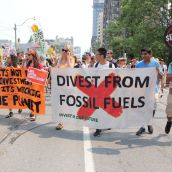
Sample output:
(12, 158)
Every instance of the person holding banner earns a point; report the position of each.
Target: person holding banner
(147, 62)
(169, 102)
(122, 62)
(66, 61)
(20, 55)
(13, 62)
(33, 61)
(102, 63)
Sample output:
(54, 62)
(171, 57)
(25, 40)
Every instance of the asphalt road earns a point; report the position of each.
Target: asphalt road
(37, 147)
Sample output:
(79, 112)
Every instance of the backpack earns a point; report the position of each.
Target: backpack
(77, 66)
(114, 62)
(110, 65)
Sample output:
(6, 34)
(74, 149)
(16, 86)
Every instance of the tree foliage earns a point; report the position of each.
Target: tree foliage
(142, 23)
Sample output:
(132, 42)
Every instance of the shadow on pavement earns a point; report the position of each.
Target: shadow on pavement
(143, 142)
(49, 131)
(104, 151)
(13, 122)
(127, 140)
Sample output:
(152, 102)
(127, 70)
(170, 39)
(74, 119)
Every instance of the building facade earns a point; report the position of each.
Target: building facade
(64, 41)
(111, 14)
(98, 7)
(77, 52)
(100, 29)
(61, 42)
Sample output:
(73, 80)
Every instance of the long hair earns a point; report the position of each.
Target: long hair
(69, 48)
(35, 61)
(14, 60)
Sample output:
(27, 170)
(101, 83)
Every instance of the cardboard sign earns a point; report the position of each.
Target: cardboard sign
(18, 93)
(37, 76)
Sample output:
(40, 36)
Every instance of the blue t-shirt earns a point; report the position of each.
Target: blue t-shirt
(153, 63)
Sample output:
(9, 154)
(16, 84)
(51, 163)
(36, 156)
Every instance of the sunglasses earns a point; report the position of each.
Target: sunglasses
(65, 50)
(29, 54)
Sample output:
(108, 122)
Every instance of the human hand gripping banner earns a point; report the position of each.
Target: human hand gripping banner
(103, 98)
(17, 93)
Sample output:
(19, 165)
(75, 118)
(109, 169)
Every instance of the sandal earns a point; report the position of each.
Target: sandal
(9, 115)
(32, 117)
(59, 126)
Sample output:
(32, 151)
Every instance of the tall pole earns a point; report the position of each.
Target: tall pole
(15, 30)
(124, 37)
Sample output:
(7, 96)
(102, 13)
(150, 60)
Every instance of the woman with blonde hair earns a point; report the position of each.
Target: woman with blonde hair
(66, 61)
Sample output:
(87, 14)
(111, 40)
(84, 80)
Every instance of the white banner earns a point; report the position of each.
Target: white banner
(103, 98)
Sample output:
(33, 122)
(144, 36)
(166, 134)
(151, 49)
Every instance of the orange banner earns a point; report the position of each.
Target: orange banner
(18, 93)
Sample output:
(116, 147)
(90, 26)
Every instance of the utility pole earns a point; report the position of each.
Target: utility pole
(124, 37)
(15, 30)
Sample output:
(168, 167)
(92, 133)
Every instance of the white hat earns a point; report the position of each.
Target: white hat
(122, 58)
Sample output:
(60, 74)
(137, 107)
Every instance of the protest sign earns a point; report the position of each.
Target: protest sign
(99, 98)
(17, 92)
(38, 37)
(37, 76)
(1, 53)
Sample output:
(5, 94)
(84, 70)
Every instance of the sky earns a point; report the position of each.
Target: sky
(64, 18)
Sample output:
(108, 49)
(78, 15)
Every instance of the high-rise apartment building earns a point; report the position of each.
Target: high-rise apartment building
(98, 7)
(110, 14)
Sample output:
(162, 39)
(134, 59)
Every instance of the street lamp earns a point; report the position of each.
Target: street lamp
(124, 37)
(15, 29)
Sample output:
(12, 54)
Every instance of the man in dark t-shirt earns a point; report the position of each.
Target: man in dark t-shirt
(110, 58)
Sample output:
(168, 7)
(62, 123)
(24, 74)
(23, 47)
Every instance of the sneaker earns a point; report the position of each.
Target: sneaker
(20, 111)
(9, 115)
(97, 133)
(168, 127)
(59, 126)
(32, 117)
(140, 131)
(150, 129)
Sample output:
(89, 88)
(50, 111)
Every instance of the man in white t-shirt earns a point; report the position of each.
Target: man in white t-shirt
(169, 102)
(102, 63)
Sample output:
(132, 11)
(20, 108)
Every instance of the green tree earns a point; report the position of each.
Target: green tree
(30, 39)
(142, 24)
